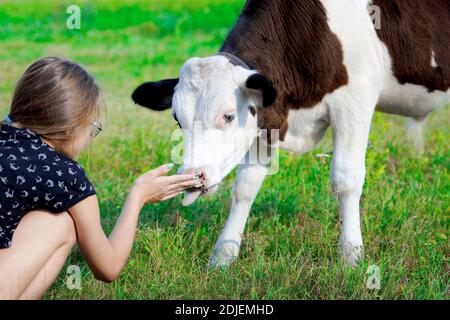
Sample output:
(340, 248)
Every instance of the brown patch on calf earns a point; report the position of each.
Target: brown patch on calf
(412, 29)
(290, 43)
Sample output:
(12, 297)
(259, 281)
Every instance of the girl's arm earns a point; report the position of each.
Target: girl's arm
(107, 256)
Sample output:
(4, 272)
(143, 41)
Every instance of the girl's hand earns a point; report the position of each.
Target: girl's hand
(154, 186)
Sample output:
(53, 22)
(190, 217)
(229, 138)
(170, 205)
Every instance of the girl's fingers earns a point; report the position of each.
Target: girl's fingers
(171, 192)
(184, 185)
(188, 184)
(179, 189)
(175, 179)
(171, 195)
(175, 190)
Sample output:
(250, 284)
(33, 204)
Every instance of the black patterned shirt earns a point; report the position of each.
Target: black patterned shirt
(35, 176)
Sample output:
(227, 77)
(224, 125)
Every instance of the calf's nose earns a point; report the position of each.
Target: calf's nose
(200, 173)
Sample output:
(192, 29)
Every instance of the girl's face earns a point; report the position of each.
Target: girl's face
(81, 140)
(74, 147)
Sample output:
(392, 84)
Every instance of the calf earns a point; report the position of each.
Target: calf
(298, 68)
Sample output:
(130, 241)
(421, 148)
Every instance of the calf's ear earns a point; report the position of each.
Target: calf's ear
(257, 81)
(155, 95)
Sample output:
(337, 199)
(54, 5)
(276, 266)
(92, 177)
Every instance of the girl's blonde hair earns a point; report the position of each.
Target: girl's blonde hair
(55, 98)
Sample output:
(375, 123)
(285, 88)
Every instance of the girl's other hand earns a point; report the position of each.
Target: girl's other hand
(154, 185)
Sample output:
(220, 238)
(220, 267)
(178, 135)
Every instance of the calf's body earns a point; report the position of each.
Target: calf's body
(303, 67)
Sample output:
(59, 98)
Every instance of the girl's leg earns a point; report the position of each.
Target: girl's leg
(39, 248)
(47, 276)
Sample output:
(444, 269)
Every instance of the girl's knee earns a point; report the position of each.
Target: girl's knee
(69, 228)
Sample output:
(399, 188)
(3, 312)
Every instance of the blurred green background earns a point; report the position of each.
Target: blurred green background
(290, 246)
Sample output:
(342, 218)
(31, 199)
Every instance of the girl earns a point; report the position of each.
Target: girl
(47, 203)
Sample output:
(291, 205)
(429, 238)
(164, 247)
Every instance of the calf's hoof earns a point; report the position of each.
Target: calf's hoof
(352, 253)
(224, 254)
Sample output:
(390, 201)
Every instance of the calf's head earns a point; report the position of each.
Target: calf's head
(215, 103)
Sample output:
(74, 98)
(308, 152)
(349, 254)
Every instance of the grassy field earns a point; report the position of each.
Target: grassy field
(290, 247)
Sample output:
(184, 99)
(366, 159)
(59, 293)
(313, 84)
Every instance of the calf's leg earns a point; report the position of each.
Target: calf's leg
(351, 126)
(248, 182)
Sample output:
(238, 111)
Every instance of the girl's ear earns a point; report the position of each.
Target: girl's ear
(155, 95)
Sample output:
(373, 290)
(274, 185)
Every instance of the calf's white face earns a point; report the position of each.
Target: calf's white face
(214, 102)
(212, 106)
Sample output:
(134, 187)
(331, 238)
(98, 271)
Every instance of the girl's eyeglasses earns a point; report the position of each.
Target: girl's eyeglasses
(96, 129)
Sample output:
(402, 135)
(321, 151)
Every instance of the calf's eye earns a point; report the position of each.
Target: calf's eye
(229, 117)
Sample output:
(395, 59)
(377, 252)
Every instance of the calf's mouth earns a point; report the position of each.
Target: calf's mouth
(193, 194)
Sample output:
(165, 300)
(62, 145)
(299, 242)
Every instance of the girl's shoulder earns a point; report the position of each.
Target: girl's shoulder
(47, 178)
(21, 145)
(22, 140)
(28, 146)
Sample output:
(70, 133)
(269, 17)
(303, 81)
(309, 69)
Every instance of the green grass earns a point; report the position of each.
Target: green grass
(290, 247)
